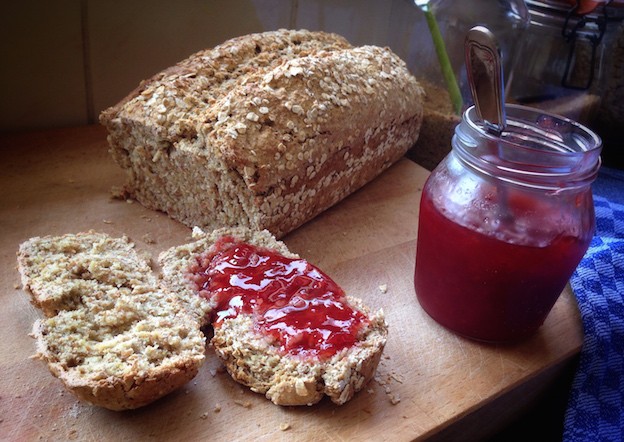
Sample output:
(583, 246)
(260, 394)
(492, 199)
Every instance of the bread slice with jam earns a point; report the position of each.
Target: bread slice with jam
(281, 326)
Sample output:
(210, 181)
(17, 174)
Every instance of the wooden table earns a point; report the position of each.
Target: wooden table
(430, 383)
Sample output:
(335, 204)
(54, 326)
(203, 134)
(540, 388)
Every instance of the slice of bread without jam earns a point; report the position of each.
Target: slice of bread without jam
(255, 359)
(111, 334)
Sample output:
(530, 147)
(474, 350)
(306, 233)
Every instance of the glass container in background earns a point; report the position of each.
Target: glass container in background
(504, 221)
(565, 54)
(507, 19)
(610, 117)
(573, 64)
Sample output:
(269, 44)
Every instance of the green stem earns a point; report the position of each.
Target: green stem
(445, 63)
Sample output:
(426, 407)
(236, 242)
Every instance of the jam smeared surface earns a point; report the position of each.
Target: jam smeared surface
(290, 300)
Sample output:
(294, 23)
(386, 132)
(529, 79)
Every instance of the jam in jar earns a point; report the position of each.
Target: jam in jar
(504, 221)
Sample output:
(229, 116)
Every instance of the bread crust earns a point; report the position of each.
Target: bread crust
(267, 138)
(253, 361)
(111, 334)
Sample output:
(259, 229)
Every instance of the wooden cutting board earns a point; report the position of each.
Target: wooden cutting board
(430, 383)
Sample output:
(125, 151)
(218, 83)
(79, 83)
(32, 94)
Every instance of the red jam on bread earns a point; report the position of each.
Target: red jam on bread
(297, 305)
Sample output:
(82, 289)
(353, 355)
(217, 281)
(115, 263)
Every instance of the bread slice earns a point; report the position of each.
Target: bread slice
(111, 335)
(254, 359)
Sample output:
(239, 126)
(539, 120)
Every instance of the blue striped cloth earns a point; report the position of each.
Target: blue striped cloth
(595, 409)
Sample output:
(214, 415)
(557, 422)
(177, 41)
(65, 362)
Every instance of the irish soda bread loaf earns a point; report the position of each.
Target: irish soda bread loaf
(111, 334)
(252, 355)
(264, 131)
(437, 129)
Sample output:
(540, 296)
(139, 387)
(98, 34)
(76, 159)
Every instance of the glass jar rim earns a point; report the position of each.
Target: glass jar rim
(537, 149)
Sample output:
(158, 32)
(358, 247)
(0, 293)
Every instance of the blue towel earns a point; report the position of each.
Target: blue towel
(595, 409)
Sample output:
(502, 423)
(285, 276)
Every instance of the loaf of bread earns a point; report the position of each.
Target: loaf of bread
(264, 131)
(111, 334)
(256, 358)
(437, 129)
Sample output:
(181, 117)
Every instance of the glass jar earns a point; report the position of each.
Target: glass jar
(507, 19)
(504, 221)
(566, 56)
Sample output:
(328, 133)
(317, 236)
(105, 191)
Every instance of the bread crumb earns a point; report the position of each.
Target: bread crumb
(204, 416)
(217, 408)
(119, 193)
(130, 201)
(147, 239)
(387, 380)
(383, 288)
(284, 426)
(74, 410)
(245, 404)
(396, 377)
(107, 221)
(16, 286)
